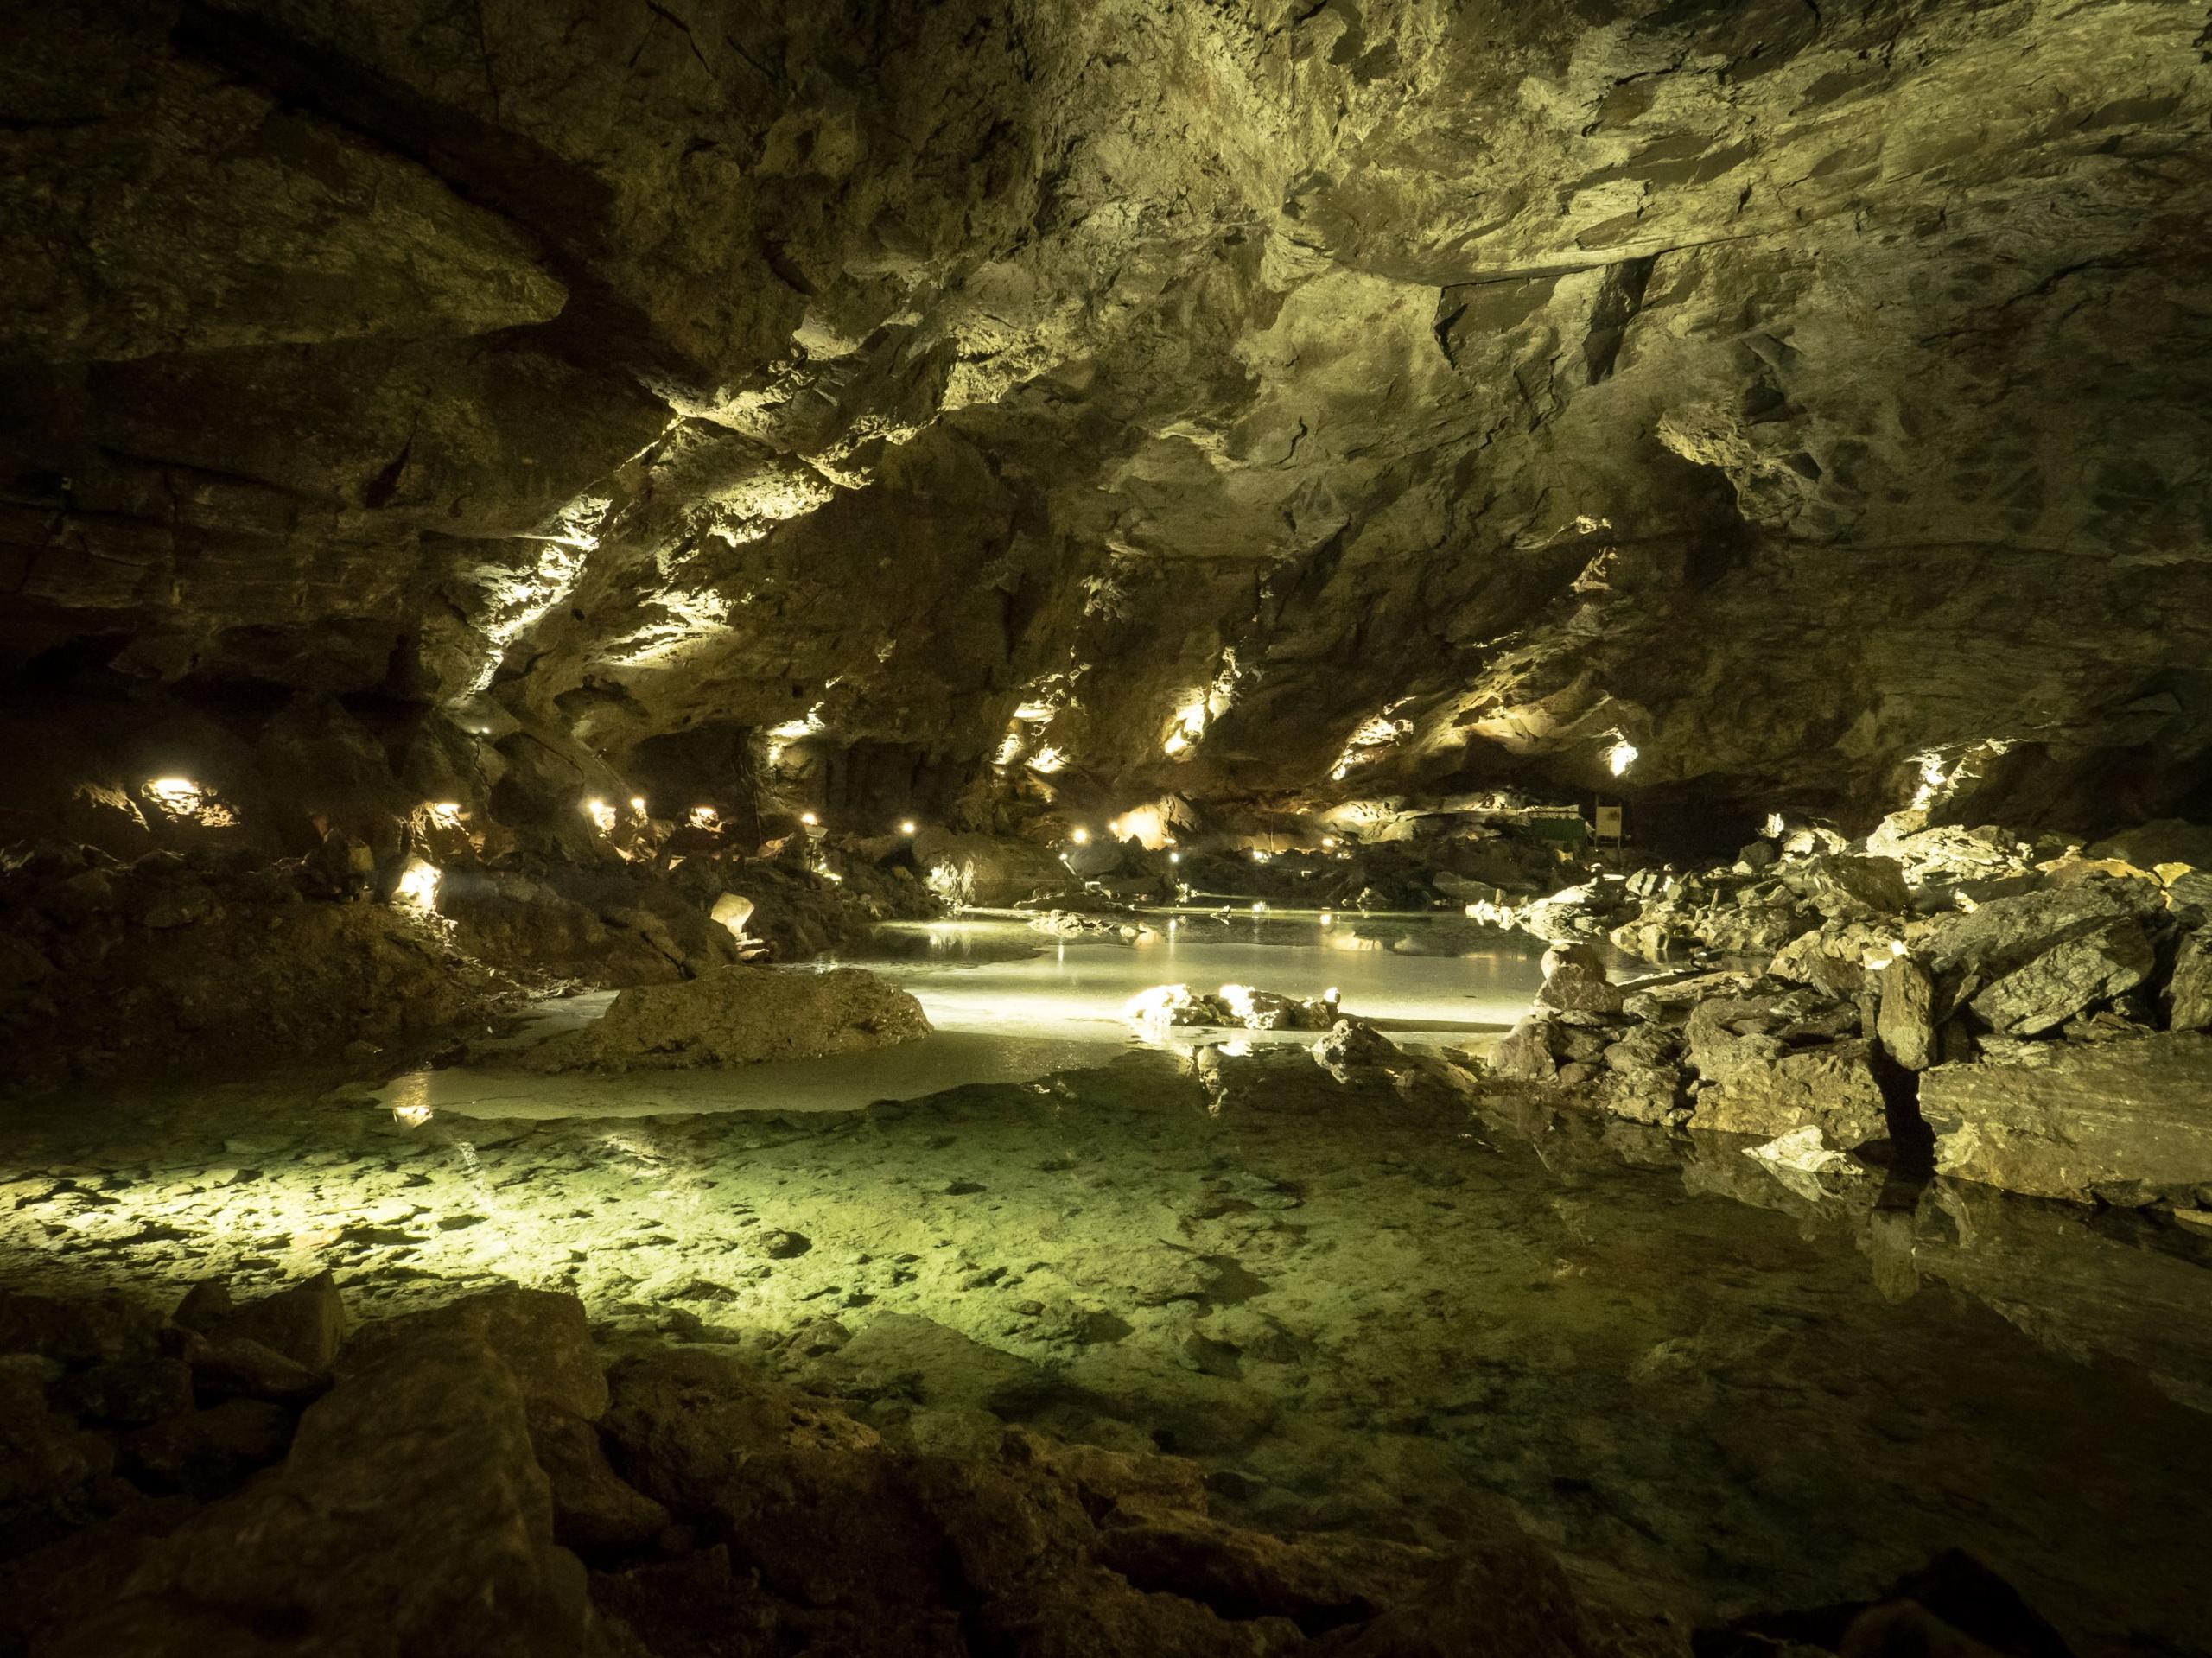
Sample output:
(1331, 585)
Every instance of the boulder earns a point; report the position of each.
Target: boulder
(1574, 981)
(540, 1336)
(2165, 840)
(1509, 1596)
(204, 1453)
(1848, 886)
(2190, 991)
(1525, 1053)
(78, 1332)
(1643, 1079)
(410, 1517)
(1168, 1007)
(305, 1324)
(1353, 1044)
(684, 1425)
(2120, 1122)
(1319, 1581)
(232, 1366)
(594, 1510)
(738, 1016)
(1906, 1023)
(1821, 960)
(2026, 964)
(129, 1393)
(1756, 1082)
(44, 1458)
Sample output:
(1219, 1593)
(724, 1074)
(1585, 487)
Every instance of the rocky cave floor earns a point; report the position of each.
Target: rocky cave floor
(1375, 1314)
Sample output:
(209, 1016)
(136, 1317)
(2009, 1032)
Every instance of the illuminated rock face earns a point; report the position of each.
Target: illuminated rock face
(1315, 402)
(739, 1016)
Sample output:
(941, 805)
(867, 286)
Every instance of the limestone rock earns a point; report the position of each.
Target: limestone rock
(67, 1331)
(1510, 1597)
(594, 1510)
(1906, 1023)
(305, 1324)
(990, 871)
(129, 1393)
(2190, 991)
(1352, 1045)
(1575, 981)
(1320, 1582)
(44, 1458)
(409, 1516)
(2031, 963)
(2116, 1121)
(1235, 1006)
(1755, 1083)
(232, 1366)
(686, 1425)
(737, 1016)
(540, 1336)
(1524, 1054)
(208, 1452)
(1848, 886)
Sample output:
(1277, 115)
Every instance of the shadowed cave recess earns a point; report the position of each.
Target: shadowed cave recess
(1064, 828)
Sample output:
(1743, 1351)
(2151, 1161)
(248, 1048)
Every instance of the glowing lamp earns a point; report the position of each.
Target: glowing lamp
(1621, 756)
(1080, 836)
(809, 820)
(637, 804)
(908, 826)
(601, 815)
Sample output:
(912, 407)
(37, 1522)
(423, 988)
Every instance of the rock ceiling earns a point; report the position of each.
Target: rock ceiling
(1261, 400)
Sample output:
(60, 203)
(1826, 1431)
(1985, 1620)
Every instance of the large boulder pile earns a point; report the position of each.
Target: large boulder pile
(738, 1016)
(1727, 1052)
(471, 1479)
(2038, 1001)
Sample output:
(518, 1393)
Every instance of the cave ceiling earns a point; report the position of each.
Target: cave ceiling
(1286, 403)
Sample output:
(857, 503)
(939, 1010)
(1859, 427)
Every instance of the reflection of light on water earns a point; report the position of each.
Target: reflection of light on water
(1078, 990)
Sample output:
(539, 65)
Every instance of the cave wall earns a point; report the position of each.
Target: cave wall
(1268, 402)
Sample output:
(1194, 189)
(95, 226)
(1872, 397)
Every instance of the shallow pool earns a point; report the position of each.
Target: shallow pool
(1009, 1004)
(1368, 1306)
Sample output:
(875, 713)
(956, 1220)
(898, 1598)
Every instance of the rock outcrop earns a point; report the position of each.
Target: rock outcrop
(738, 1016)
(2122, 1122)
